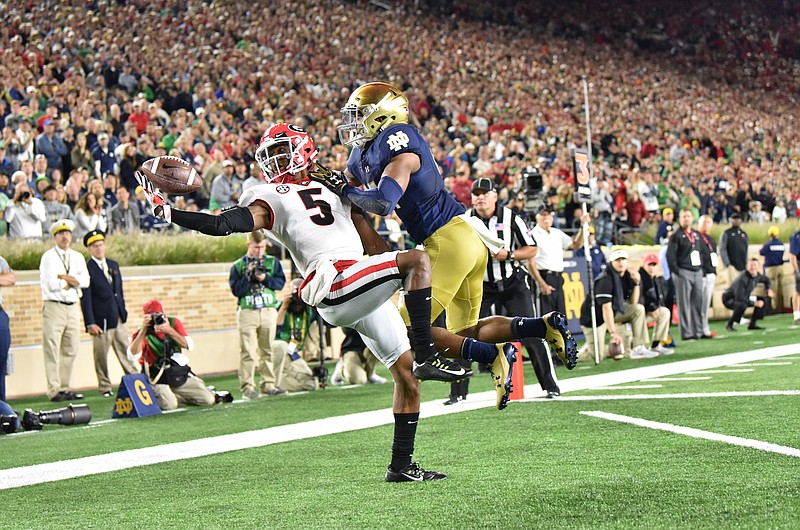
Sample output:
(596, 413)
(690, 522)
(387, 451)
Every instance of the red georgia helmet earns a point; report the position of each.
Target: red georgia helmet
(285, 150)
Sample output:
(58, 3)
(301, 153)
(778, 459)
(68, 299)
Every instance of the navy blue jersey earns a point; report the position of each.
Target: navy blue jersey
(773, 252)
(794, 244)
(425, 206)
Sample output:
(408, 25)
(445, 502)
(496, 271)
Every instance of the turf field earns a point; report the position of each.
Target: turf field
(587, 460)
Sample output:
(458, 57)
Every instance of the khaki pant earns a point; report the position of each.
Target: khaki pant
(296, 375)
(256, 330)
(116, 338)
(61, 335)
(635, 315)
(358, 366)
(662, 319)
(192, 392)
(775, 275)
(311, 345)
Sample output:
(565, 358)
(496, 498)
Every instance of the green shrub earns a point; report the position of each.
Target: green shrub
(137, 249)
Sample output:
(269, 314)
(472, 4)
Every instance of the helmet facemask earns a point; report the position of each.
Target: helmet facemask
(369, 110)
(285, 151)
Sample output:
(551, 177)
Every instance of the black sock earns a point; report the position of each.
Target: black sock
(655, 343)
(524, 328)
(418, 304)
(481, 352)
(405, 430)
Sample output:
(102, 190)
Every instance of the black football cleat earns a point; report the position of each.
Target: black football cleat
(440, 368)
(412, 473)
(501, 371)
(560, 339)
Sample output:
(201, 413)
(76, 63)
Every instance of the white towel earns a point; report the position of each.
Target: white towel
(492, 242)
(320, 285)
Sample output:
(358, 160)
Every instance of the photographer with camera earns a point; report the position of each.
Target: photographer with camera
(158, 344)
(25, 214)
(254, 278)
(293, 333)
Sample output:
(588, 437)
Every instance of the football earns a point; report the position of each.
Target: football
(172, 175)
(615, 350)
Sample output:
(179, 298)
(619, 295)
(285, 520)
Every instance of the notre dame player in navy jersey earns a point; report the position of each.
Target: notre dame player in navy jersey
(394, 163)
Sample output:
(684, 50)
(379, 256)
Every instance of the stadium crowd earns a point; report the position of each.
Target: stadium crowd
(691, 107)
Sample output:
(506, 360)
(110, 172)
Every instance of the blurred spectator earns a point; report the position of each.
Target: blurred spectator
(62, 275)
(54, 210)
(89, 215)
(738, 296)
(50, 144)
(124, 216)
(357, 363)
(616, 303)
(226, 189)
(7, 279)
(653, 297)
(103, 156)
(104, 312)
(733, 245)
(25, 215)
(773, 251)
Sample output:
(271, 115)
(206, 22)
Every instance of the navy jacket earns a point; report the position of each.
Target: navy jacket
(102, 302)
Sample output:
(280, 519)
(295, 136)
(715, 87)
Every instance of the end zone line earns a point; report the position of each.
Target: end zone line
(696, 433)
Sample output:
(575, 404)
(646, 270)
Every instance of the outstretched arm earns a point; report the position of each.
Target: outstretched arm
(236, 219)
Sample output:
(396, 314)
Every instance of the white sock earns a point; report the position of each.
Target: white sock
(796, 315)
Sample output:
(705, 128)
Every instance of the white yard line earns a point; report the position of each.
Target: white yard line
(91, 465)
(731, 371)
(677, 379)
(627, 387)
(697, 433)
(766, 364)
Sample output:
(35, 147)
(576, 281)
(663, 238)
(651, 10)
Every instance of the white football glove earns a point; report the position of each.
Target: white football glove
(158, 205)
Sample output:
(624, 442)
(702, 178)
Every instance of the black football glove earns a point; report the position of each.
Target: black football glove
(335, 181)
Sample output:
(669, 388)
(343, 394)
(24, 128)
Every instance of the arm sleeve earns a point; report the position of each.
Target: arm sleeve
(723, 249)
(381, 200)
(236, 219)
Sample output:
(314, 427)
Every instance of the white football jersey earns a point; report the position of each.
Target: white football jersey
(312, 222)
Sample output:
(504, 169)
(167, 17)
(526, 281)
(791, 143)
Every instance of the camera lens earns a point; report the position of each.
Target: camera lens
(25, 195)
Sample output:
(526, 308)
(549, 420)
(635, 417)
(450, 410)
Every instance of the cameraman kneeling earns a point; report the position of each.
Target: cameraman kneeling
(159, 342)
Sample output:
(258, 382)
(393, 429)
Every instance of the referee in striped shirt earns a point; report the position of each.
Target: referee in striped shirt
(506, 282)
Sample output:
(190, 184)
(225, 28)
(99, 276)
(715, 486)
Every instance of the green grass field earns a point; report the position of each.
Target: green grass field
(538, 464)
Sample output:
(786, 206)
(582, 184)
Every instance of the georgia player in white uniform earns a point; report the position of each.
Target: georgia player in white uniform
(314, 224)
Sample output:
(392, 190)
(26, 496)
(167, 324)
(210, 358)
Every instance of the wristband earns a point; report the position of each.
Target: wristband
(511, 256)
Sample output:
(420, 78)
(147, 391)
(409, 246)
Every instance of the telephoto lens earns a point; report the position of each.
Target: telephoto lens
(71, 415)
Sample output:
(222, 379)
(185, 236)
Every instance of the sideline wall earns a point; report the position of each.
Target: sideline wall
(197, 294)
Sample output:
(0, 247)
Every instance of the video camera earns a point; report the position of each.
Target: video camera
(71, 415)
(532, 185)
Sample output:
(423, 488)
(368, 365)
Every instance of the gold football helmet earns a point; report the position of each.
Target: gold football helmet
(370, 109)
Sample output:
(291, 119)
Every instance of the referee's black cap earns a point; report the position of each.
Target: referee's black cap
(483, 185)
